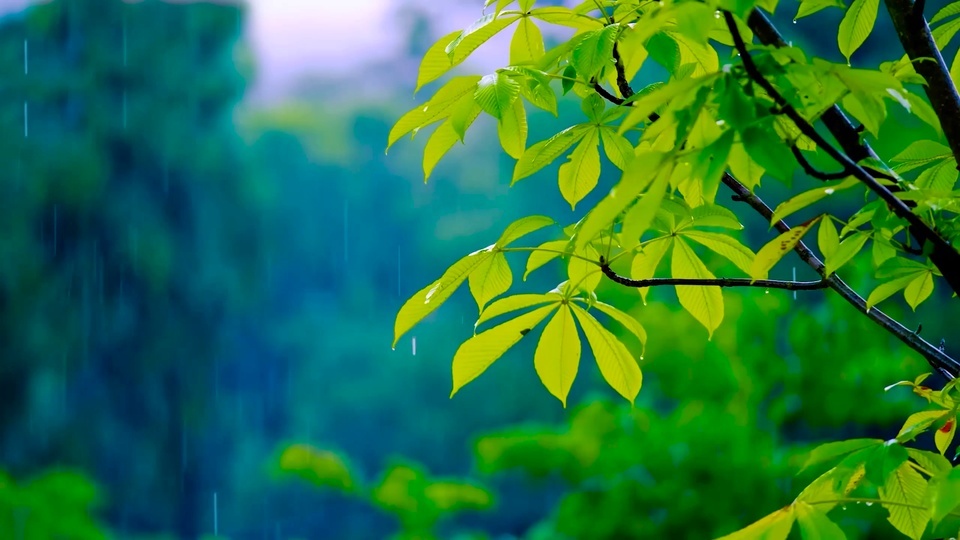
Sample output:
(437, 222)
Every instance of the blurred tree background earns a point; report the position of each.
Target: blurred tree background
(190, 283)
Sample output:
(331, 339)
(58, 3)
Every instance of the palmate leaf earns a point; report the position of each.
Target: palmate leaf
(496, 93)
(617, 148)
(558, 354)
(770, 254)
(845, 251)
(426, 300)
(594, 51)
(453, 48)
(724, 245)
(522, 227)
(919, 289)
(856, 26)
(514, 303)
(550, 250)
(476, 354)
(583, 274)
(639, 218)
(444, 138)
(616, 364)
(545, 152)
(807, 198)
(625, 320)
(650, 102)
(527, 43)
(704, 303)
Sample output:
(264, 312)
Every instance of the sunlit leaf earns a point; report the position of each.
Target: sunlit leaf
(809, 7)
(624, 320)
(907, 487)
(827, 237)
(845, 251)
(480, 351)
(919, 289)
(616, 364)
(856, 26)
(558, 354)
(773, 251)
(815, 525)
(579, 175)
(807, 198)
(646, 262)
(522, 227)
(514, 303)
(943, 436)
(833, 450)
(512, 129)
(442, 140)
(527, 43)
(496, 94)
(545, 152)
(490, 279)
(704, 303)
(550, 250)
(583, 274)
(724, 245)
(641, 215)
(440, 106)
(647, 104)
(775, 526)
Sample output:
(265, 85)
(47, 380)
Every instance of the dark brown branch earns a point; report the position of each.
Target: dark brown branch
(717, 282)
(936, 357)
(810, 170)
(607, 95)
(947, 255)
(622, 83)
(914, 34)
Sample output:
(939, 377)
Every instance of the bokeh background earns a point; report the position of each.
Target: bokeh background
(202, 248)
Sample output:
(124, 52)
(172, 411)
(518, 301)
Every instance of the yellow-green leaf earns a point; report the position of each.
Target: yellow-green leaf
(617, 148)
(512, 129)
(704, 303)
(616, 363)
(426, 300)
(641, 215)
(550, 250)
(476, 354)
(809, 7)
(527, 43)
(917, 423)
(544, 152)
(885, 290)
(815, 525)
(496, 93)
(440, 106)
(771, 253)
(747, 171)
(827, 237)
(514, 303)
(522, 227)
(805, 199)
(579, 175)
(702, 55)
(919, 289)
(724, 245)
(435, 61)
(856, 26)
(652, 101)
(624, 320)
(646, 262)
(775, 526)
(944, 435)
(845, 251)
(907, 487)
(944, 493)
(442, 140)
(558, 354)
(490, 279)
(583, 274)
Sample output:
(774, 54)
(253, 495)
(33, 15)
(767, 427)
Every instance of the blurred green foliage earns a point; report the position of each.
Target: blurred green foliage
(53, 504)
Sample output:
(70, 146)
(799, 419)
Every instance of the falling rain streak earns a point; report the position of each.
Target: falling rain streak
(216, 527)
(413, 346)
(398, 272)
(345, 231)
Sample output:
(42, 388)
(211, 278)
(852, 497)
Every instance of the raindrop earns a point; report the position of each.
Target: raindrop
(413, 346)
(794, 21)
(25, 56)
(794, 279)
(26, 117)
(766, 291)
(345, 231)
(844, 507)
(216, 527)
(398, 271)
(829, 191)
(869, 503)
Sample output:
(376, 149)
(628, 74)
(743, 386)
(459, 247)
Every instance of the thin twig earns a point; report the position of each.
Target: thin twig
(607, 95)
(717, 282)
(810, 170)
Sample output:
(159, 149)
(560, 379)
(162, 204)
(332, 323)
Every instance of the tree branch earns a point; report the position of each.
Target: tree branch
(936, 357)
(810, 170)
(914, 34)
(717, 282)
(622, 83)
(943, 255)
(607, 95)
(924, 232)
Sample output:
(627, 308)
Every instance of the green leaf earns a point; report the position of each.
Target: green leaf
(624, 320)
(920, 153)
(815, 525)
(594, 52)
(648, 103)
(558, 354)
(426, 300)
(809, 7)
(639, 174)
(443, 139)
(856, 26)
(713, 215)
(827, 237)
(774, 250)
(833, 450)
(768, 150)
(906, 486)
(616, 364)
(947, 11)
(527, 43)
(807, 198)
(704, 303)
(435, 61)
(645, 263)
(710, 164)
(641, 215)
(545, 152)
(847, 250)
(931, 461)
(775, 526)
(617, 148)
(514, 303)
(701, 54)
(944, 491)
(512, 129)
(885, 290)
(522, 227)
(583, 274)
(745, 169)
(440, 106)
(476, 354)
(579, 175)
(569, 79)
(496, 93)
(724, 245)
(475, 35)
(940, 177)
(919, 289)
(943, 436)
(490, 279)
(540, 258)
